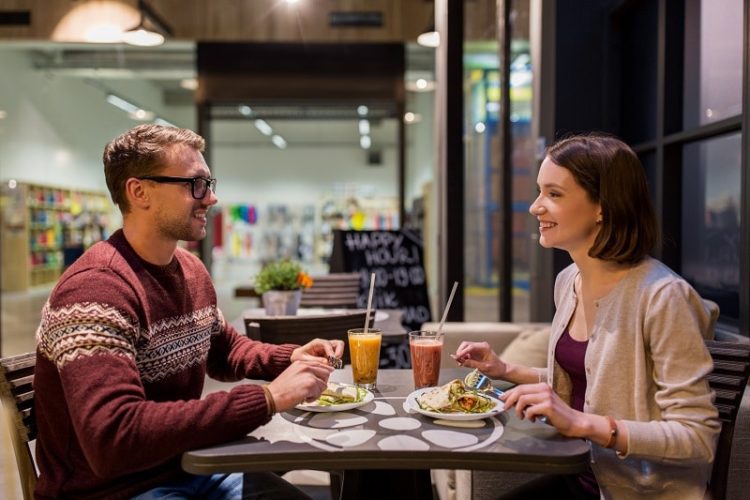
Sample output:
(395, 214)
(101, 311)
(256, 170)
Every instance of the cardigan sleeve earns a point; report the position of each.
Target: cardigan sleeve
(673, 332)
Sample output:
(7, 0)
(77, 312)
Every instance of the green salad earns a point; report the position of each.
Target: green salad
(339, 394)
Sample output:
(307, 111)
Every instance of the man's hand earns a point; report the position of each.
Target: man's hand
(303, 380)
(319, 350)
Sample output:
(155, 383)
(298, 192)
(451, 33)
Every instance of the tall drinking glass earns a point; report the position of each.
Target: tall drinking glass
(364, 350)
(426, 350)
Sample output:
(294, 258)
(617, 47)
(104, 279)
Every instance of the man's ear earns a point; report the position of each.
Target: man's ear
(137, 194)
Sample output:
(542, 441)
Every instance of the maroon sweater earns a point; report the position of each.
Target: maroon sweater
(122, 351)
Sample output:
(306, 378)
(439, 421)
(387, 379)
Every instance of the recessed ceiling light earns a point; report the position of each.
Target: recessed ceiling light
(420, 85)
(362, 110)
(189, 83)
(364, 127)
(365, 142)
(263, 126)
(410, 117)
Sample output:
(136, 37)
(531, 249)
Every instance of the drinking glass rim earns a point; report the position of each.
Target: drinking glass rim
(361, 331)
(433, 334)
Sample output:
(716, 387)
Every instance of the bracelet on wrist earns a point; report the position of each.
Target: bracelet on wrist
(269, 400)
(612, 432)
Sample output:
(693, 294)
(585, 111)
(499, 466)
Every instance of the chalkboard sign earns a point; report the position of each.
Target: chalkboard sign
(396, 259)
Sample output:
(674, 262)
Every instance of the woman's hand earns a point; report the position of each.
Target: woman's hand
(319, 350)
(533, 401)
(481, 356)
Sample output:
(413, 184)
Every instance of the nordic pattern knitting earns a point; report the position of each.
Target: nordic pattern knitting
(169, 346)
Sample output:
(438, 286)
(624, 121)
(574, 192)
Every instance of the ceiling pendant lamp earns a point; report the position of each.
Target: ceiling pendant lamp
(430, 38)
(151, 29)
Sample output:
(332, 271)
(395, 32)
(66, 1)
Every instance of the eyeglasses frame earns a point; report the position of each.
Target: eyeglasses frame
(169, 179)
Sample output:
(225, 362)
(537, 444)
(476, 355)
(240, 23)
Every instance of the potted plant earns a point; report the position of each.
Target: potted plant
(280, 285)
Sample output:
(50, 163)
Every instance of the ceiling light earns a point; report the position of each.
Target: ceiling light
(189, 83)
(365, 142)
(245, 110)
(429, 38)
(135, 112)
(121, 103)
(364, 127)
(263, 126)
(362, 110)
(420, 85)
(151, 29)
(480, 127)
(278, 141)
(292, 2)
(410, 117)
(103, 33)
(142, 37)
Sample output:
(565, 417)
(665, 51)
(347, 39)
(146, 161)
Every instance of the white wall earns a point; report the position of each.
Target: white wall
(56, 127)
(298, 175)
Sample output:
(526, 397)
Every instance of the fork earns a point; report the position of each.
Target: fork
(479, 381)
(335, 362)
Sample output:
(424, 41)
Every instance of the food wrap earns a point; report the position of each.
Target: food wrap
(454, 397)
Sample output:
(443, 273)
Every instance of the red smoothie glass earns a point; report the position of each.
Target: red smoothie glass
(426, 349)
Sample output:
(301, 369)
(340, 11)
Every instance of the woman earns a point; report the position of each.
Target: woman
(627, 365)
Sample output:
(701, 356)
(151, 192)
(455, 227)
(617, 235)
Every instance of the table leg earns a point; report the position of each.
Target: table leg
(385, 484)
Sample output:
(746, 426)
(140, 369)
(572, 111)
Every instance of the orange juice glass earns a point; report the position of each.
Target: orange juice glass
(364, 350)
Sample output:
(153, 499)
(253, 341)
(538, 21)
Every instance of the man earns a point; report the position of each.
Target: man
(132, 328)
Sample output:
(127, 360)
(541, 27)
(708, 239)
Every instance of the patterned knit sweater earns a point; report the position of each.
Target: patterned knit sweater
(122, 351)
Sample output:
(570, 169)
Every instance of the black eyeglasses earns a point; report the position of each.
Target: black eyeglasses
(199, 185)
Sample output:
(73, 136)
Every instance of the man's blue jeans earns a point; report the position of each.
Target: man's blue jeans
(254, 485)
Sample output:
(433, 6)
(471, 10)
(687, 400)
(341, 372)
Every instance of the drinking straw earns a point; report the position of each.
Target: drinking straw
(447, 306)
(369, 300)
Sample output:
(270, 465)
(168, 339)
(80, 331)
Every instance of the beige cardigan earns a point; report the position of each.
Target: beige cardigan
(646, 365)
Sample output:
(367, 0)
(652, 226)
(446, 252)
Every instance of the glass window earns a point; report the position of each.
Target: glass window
(482, 181)
(711, 221)
(522, 157)
(713, 61)
(649, 165)
(638, 72)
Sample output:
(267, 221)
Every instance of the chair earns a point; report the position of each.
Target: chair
(332, 290)
(728, 379)
(17, 394)
(302, 329)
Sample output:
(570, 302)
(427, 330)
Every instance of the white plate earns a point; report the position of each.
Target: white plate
(412, 405)
(369, 396)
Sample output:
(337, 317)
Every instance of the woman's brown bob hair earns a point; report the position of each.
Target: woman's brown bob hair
(613, 176)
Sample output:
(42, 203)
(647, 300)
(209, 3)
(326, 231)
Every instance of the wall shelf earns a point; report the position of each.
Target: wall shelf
(44, 228)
